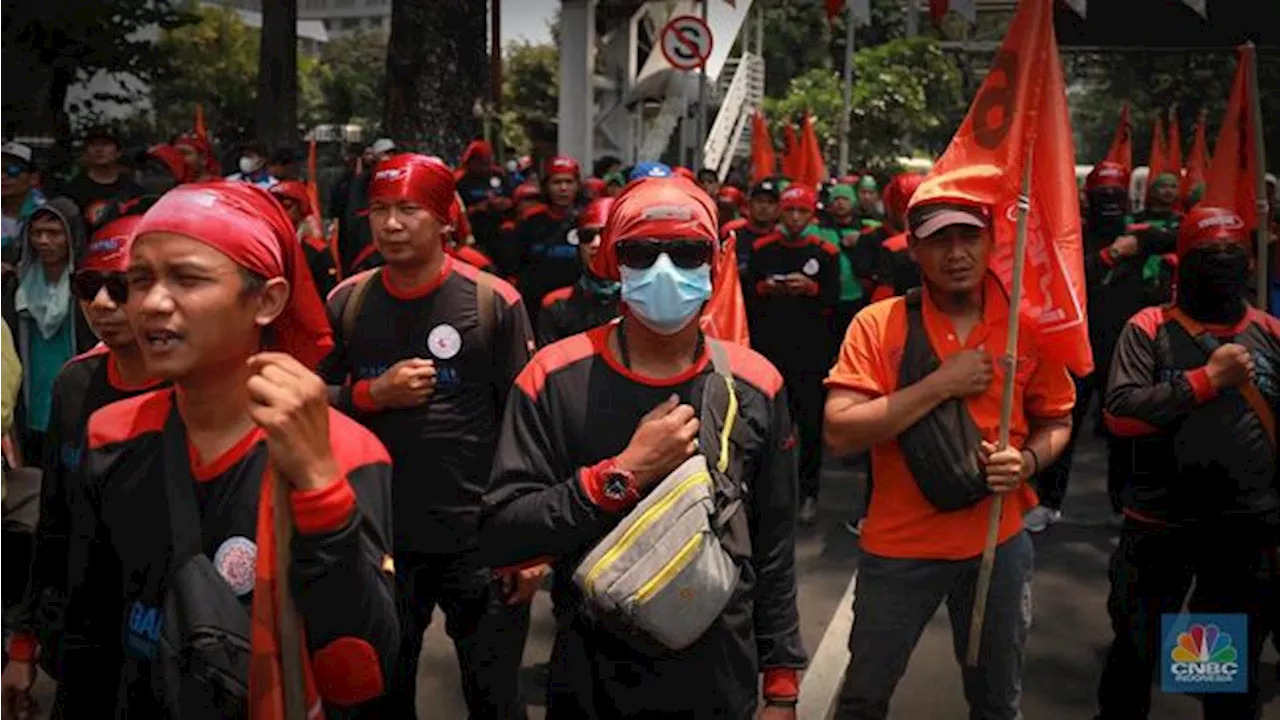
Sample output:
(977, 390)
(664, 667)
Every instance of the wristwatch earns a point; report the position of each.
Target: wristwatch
(619, 484)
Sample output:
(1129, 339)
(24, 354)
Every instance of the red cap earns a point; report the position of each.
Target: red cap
(173, 160)
(527, 191)
(729, 195)
(799, 196)
(1107, 174)
(108, 249)
(851, 180)
(417, 178)
(897, 194)
(561, 165)
(296, 191)
(596, 213)
(673, 208)
(1208, 225)
(246, 224)
(594, 185)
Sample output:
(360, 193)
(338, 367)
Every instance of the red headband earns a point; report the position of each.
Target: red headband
(108, 249)
(729, 195)
(799, 196)
(172, 159)
(417, 178)
(527, 191)
(246, 224)
(1107, 174)
(897, 194)
(594, 185)
(562, 165)
(596, 214)
(295, 191)
(1207, 225)
(673, 208)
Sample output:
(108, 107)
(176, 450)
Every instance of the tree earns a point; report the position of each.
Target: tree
(47, 49)
(351, 77)
(530, 93)
(213, 61)
(907, 96)
(437, 72)
(277, 119)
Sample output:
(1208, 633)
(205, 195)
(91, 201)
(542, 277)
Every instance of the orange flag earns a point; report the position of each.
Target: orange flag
(1159, 156)
(1122, 142)
(815, 166)
(1019, 116)
(201, 131)
(725, 316)
(764, 161)
(792, 160)
(1232, 173)
(1197, 161)
(1174, 155)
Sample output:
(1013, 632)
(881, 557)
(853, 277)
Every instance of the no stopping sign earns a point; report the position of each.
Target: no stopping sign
(686, 42)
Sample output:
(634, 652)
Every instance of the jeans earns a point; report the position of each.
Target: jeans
(894, 600)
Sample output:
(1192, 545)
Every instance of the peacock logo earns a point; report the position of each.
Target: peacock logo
(1204, 653)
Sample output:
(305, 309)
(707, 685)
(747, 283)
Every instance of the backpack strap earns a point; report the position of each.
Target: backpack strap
(484, 305)
(351, 310)
(1249, 391)
(727, 487)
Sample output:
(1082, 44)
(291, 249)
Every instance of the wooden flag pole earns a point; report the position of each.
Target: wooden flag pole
(1259, 180)
(983, 587)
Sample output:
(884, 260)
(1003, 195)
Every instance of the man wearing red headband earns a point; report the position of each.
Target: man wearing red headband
(252, 487)
(62, 632)
(1199, 382)
(293, 197)
(427, 348)
(793, 281)
(546, 259)
(201, 164)
(592, 300)
(879, 256)
(484, 190)
(596, 420)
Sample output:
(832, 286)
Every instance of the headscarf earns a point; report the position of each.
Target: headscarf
(202, 147)
(296, 191)
(108, 249)
(526, 191)
(897, 194)
(596, 213)
(657, 209)
(594, 186)
(173, 160)
(1207, 225)
(49, 304)
(246, 224)
(799, 196)
(561, 165)
(419, 178)
(1107, 174)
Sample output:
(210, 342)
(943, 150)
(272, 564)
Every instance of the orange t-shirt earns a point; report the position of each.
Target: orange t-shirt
(900, 522)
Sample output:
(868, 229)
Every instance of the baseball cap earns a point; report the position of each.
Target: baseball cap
(926, 220)
(18, 150)
(650, 169)
(383, 145)
(765, 187)
(102, 132)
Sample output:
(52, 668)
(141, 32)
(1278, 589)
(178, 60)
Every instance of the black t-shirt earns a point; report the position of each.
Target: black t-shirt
(93, 197)
(442, 450)
(571, 310)
(778, 320)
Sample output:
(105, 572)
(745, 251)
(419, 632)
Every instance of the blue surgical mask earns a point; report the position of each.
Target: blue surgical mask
(664, 297)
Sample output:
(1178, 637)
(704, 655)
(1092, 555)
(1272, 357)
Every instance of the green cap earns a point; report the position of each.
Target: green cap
(615, 178)
(843, 191)
(1165, 178)
(868, 183)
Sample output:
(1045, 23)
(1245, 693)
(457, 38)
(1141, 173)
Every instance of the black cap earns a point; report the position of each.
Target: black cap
(765, 187)
(102, 132)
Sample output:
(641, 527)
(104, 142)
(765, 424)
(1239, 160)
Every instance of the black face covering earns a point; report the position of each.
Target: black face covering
(1106, 213)
(1212, 284)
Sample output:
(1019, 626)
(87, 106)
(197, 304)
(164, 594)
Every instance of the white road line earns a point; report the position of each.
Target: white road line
(821, 683)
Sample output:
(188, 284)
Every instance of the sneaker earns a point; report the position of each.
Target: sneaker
(1040, 518)
(809, 510)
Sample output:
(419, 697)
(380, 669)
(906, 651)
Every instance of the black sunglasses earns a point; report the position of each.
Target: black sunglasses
(86, 284)
(14, 170)
(641, 254)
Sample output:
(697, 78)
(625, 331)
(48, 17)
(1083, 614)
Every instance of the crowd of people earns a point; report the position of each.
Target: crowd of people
(271, 446)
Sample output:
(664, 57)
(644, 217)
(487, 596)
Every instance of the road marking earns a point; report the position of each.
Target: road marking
(821, 683)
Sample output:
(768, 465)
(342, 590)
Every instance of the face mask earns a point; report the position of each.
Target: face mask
(663, 296)
(249, 165)
(1212, 285)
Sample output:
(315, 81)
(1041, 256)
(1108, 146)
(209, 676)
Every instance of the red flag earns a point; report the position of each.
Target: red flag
(1122, 142)
(764, 160)
(833, 9)
(815, 166)
(725, 316)
(1232, 173)
(1159, 156)
(200, 130)
(1173, 156)
(792, 160)
(1019, 116)
(1197, 162)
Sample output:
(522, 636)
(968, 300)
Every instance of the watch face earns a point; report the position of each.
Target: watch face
(615, 486)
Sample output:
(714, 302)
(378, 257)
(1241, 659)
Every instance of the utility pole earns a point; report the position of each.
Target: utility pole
(913, 19)
(700, 141)
(845, 123)
(495, 79)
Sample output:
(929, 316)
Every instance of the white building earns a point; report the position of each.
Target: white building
(345, 17)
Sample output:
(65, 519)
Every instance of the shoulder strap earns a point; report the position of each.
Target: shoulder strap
(180, 494)
(351, 310)
(1249, 391)
(484, 306)
(720, 364)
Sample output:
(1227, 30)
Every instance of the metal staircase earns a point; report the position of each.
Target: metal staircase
(739, 97)
(674, 107)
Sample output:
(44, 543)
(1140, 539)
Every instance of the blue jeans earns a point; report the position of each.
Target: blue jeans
(894, 600)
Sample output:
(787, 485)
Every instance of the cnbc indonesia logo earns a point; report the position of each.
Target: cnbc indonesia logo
(1204, 654)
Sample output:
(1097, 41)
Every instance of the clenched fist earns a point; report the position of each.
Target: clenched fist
(665, 437)
(1230, 366)
(408, 383)
(291, 404)
(968, 372)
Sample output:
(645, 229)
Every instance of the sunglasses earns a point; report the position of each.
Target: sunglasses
(642, 254)
(86, 284)
(14, 170)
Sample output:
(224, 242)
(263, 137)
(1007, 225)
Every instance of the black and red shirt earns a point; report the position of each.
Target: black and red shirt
(777, 320)
(575, 406)
(341, 568)
(1198, 453)
(546, 258)
(574, 309)
(441, 450)
(748, 233)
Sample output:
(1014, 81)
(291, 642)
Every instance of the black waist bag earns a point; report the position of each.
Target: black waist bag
(201, 666)
(941, 449)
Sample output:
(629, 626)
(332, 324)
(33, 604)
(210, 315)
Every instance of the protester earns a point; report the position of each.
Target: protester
(762, 219)
(1197, 382)
(932, 491)
(483, 188)
(613, 184)
(19, 197)
(38, 306)
(880, 256)
(709, 181)
(426, 351)
(253, 166)
(77, 645)
(569, 467)
(546, 259)
(793, 280)
(296, 201)
(590, 301)
(215, 276)
(202, 166)
(160, 168)
(104, 179)
(869, 199)
(1156, 228)
(283, 164)
(729, 203)
(354, 237)
(841, 229)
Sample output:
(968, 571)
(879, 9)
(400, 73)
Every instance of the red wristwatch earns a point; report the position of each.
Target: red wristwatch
(617, 484)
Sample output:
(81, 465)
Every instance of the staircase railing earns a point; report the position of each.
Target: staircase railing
(740, 98)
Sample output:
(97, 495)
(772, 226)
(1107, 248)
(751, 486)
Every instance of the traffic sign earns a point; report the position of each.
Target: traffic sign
(686, 42)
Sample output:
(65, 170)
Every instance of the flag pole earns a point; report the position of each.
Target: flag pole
(845, 123)
(1259, 180)
(1010, 363)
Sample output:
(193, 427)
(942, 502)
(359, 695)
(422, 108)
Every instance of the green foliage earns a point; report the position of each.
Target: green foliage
(907, 96)
(350, 77)
(530, 92)
(213, 61)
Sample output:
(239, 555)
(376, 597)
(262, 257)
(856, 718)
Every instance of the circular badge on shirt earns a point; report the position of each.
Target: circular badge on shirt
(810, 267)
(444, 341)
(495, 182)
(236, 559)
